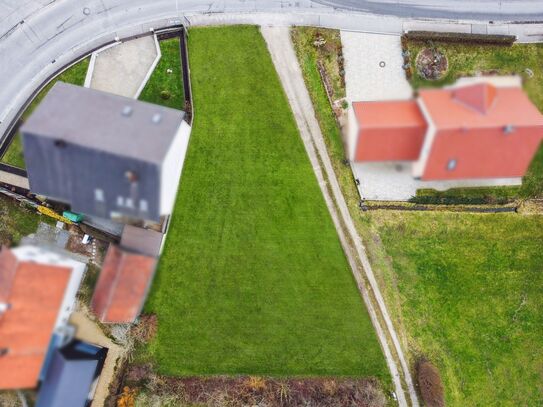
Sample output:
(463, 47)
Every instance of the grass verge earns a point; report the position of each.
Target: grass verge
(76, 75)
(253, 279)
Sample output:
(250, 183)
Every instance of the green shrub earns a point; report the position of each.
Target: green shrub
(430, 385)
(466, 38)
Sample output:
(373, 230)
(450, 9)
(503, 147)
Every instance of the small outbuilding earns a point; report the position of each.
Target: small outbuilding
(123, 285)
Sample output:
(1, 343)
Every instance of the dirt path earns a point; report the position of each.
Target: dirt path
(89, 331)
(286, 64)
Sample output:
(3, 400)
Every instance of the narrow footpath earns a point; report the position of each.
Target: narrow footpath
(290, 74)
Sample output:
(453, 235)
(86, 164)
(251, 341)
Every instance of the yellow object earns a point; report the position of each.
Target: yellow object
(51, 213)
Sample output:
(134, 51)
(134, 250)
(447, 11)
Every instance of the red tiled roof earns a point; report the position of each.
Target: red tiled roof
(479, 96)
(122, 286)
(389, 130)
(489, 132)
(510, 106)
(35, 295)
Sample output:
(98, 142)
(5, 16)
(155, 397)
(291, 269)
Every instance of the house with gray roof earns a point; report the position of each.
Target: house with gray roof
(105, 155)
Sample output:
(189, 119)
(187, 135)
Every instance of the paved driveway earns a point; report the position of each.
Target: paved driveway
(373, 71)
(373, 67)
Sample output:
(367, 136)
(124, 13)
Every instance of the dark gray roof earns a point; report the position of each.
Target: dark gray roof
(104, 121)
(70, 375)
(142, 241)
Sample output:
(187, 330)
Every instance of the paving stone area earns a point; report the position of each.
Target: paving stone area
(373, 67)
(123, 68)
(394, 182)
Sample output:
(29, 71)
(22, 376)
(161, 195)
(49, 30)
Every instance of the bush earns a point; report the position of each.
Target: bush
(460, 37)
(430, 385)
(165, 95)
(145, 329)
(467, 196)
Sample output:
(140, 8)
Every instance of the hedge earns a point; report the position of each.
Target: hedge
(490, 39)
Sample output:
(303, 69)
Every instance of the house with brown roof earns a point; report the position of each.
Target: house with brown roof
(38, 289)
(484, 131)
(126, 276)
(123, 285)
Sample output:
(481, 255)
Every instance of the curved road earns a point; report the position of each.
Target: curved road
(39, 37)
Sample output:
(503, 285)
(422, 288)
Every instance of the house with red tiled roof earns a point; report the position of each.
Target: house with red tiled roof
(475, 131)
(37, 295)
(126, 276)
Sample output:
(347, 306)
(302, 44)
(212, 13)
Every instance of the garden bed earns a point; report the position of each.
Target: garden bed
(144, 387)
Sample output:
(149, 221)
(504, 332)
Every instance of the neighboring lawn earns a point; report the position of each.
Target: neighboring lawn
(16, 221)
(466, 290)
(467, 60)
(253, 278)
(76, 75)
(454, 282)
(165, 88)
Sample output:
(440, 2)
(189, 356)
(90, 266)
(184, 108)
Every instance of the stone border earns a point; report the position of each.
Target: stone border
(151, 68)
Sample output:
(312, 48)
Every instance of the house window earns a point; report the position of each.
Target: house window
(99, 195)
(129, 203)
(508, 129)
(144, 207)
(120, 201)
(451, 165)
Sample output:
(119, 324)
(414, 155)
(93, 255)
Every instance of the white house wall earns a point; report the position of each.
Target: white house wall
(172, 167)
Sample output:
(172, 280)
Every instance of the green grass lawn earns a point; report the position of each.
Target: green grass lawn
(466, 290)
(76, 75)
(165, 88)
(16, 221)
(468, 60)
(253, 278)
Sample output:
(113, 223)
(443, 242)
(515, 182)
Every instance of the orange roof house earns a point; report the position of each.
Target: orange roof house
(122, 286)
(33, 293)
(389, 131)
(475, 131)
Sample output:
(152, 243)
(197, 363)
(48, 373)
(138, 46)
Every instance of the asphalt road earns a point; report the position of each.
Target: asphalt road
(39, 37)
(483, 10)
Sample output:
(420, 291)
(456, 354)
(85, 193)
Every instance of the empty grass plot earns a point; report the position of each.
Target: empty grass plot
(253, 279)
